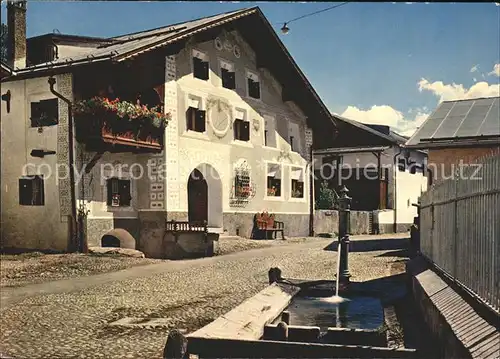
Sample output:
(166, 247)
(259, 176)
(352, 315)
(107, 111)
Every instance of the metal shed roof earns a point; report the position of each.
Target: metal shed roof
(457, 121)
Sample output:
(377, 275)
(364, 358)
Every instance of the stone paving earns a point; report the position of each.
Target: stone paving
(69, 318)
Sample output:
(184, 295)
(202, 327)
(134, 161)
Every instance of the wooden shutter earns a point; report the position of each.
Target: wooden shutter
(200, 121)
(245, 131)
(124, 192)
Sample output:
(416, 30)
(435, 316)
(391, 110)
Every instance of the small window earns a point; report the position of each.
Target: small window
(402, 164)
(45, 113)
(253, 85)
(297, 179)
(200, 65)
(195, 119)
(228, 75)
(269, 132)
(294, 136)
(241, 130)
(31, 191)
(274, 180)
(118, 192)
(242, 184)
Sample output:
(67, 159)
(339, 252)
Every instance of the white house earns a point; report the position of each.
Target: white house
(242, 118)
(383, 177)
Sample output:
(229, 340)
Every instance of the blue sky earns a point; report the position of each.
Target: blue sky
(373, 62)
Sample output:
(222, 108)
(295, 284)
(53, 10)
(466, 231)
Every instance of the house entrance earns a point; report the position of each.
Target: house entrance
(197, 197)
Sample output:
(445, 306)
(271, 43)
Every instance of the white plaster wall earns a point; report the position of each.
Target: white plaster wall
(186, 150)
(64, 51)
(109, 166)
(31, 227)
(409, 188)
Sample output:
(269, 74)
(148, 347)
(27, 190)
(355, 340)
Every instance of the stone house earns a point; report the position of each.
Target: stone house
(242, 119)
(458, 132)
(383, 177)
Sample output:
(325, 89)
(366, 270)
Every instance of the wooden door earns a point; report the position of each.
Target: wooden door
(197, 197)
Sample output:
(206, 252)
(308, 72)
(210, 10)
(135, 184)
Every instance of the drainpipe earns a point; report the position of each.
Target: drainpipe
(311, 193)
(395, 225)
(52, 82)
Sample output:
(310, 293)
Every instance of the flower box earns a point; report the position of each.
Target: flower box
(102, 121)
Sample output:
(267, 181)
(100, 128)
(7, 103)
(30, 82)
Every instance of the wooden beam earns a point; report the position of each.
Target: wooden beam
(247, 320)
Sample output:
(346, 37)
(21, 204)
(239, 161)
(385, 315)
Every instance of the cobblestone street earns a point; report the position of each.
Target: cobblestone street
(69, 318)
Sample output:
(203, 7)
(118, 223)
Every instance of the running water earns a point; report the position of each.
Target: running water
(336, 298)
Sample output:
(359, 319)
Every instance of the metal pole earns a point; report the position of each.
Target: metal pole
(344, 230)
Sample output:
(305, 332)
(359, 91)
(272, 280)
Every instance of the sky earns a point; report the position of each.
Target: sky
(383, 63)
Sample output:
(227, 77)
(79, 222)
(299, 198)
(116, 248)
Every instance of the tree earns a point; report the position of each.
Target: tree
(3, 42)
(327, 198)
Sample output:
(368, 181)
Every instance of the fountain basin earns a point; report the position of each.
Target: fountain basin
(357, 312)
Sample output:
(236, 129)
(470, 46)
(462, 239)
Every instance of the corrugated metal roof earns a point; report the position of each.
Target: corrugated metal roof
(460, 120)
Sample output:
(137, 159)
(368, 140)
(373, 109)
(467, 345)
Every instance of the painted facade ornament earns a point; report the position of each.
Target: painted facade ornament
(285, 155)
(219, 112)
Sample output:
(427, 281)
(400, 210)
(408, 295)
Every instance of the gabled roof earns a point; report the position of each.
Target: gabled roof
(254, 28)
(126, 46)
(461, 122)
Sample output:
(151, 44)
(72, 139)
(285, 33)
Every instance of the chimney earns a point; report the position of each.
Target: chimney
(16, 33)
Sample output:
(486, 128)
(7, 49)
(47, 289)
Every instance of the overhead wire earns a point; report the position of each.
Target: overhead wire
(312, 13)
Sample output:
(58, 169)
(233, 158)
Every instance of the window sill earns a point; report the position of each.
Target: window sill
(270, 148)
(196, 134)
(300, 200)
(242, 143)
(119, 209)
(274, 198)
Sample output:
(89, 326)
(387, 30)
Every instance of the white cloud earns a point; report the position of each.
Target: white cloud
(454, 91)
(474, 68)
(386, 115)
(496, 70)
(474, 79)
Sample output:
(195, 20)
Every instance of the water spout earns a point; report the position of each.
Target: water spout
(337, 298)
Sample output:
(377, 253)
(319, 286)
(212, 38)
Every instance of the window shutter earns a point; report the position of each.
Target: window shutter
(245, 133)
(200, 121)
(232, 80)
(25, 191)
(190, 118)
(109, 188)
(205, 68)
(124, 192)
(35, 114)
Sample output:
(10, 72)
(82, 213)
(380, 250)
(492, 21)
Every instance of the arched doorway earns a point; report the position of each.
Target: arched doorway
(197, 197)
(205, 195)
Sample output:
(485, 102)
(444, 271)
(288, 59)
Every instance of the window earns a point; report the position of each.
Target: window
(297, 187)
(402, 164)
(118, 192)
(269, 132)
(294, 133)
(195, 118)
(200, 65)
(253, 85)
(228, 75)
(44, 113)
(242, 184)
(241, 127)
(273, 180)
(31, 191)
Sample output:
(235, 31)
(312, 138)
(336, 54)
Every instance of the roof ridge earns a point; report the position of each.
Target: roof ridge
(168, 26)
(472, 99)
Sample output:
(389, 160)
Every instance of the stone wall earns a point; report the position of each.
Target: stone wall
(457, 324)
(327, 222)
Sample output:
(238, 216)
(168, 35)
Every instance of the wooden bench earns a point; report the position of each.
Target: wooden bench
(266, 224)
(177, 227)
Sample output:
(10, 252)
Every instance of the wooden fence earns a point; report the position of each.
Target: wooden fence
(460, 229)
